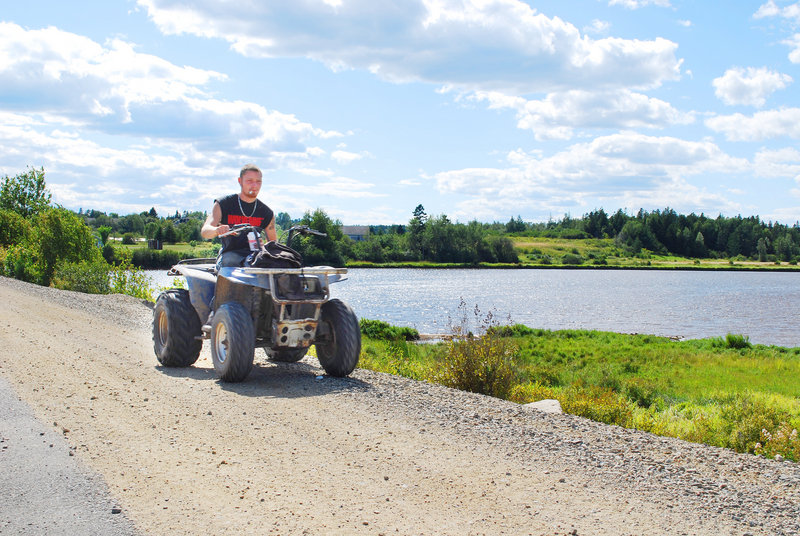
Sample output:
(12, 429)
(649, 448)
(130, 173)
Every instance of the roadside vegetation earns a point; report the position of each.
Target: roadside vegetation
(723, 391)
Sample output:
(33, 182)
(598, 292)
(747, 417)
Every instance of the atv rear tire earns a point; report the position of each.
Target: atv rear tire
(176, 329)
(339, 349)
(285, 355)
(232, 342)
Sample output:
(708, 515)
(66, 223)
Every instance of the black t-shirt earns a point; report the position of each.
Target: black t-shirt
(236, 211)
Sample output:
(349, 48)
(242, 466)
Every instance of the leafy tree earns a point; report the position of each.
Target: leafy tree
(318, 250)
(57, 235)
(26, 193)
(104, 232)
(13, 227)
(283, 220)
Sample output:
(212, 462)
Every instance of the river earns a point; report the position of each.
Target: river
(685, 304)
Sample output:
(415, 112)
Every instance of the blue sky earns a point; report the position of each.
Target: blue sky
(477, 109)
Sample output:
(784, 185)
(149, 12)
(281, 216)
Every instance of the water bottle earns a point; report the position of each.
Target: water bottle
(251, 238)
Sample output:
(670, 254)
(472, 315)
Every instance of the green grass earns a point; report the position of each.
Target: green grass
(709, 391)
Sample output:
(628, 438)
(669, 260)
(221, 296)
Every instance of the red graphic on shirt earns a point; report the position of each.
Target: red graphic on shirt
(235, 219)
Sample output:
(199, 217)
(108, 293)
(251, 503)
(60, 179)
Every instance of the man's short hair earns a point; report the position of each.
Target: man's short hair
(249, 167)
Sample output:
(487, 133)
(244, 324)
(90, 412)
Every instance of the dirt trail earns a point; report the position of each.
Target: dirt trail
(292, 452)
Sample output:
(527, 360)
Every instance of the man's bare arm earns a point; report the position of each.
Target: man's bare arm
(212, 228)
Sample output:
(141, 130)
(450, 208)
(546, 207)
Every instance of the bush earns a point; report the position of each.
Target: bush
(571, 258)
(515, 330)
(783, 441)
(13, 228)
(483, 364)
(377, 329)
(83, 276)
(597, 403)
(480, 365)
(743, 419)
(128, 239)
(731, 340)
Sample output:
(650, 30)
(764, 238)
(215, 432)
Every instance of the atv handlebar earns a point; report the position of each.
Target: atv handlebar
(294, 230)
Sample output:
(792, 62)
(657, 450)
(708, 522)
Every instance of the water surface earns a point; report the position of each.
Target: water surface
(687, 304)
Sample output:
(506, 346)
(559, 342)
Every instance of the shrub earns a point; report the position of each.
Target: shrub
(128, 239)
(515, 330)
(571, 258)
(91, 277)
(377, 329)
(13, 228)
(783, 441)
(483, 364)
(597, 403)
(480, 365)
(525, 393)
(743, 419)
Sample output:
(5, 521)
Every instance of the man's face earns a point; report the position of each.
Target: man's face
(251, 183)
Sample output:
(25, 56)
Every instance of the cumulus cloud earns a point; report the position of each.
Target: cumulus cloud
(638, 169)
(749, 86)
(500, 45)
(165, 138)
(771, 9)
(558, 115)
(769, 124)
(791, 15)
(780, 163)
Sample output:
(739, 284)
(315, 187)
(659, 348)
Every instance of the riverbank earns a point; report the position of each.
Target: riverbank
(723, 391)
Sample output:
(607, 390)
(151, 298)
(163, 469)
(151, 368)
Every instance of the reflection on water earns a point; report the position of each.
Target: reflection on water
(688, 304)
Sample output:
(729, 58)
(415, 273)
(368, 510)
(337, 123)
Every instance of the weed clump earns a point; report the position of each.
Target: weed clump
(483, 363)
(377, 329)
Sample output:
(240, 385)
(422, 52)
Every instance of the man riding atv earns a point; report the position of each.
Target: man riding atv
(235, 209)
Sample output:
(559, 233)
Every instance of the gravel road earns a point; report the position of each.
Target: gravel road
(291, 451)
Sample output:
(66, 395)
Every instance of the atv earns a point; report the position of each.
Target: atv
(265, 303)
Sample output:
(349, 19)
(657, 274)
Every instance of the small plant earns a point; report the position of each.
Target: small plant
(737, 342)
(783, 441)
(480, 364)
(377, 329)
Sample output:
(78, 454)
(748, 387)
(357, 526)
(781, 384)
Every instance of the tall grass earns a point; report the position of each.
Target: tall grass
(725, 392)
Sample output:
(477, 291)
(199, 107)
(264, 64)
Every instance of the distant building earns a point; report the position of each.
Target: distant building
(356, 232)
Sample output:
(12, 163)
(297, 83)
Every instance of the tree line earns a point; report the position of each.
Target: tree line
(24, 199)
(667, 232)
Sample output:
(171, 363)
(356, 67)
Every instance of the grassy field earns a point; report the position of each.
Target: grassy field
(723, 392)
(599, 253)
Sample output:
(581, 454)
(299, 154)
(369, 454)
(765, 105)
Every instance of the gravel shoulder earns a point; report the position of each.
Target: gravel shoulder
(293, 451)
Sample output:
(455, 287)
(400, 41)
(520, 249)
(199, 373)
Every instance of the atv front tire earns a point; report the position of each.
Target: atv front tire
(340, 347)
(176, 329)
(232, 342)
(285, 355)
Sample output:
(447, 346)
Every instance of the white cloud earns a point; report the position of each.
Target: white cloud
(638, 170)
(597, 27)
(794, 44)
(790, 14)
(685, 23)
(559, 114)
(780, 163)
(770, 124)
(346, 157)
(60, 92)
(771, 9)
(438, 41)
(636, 4)
(749, 86)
